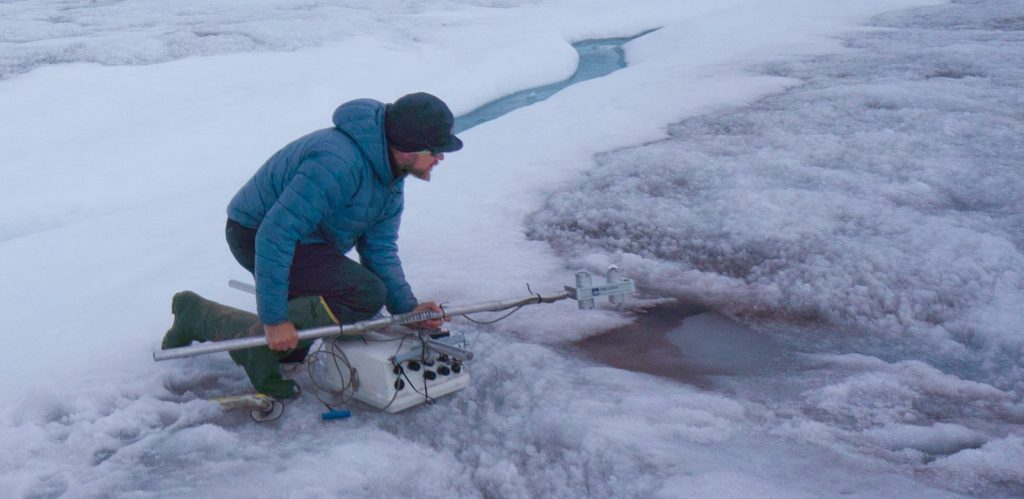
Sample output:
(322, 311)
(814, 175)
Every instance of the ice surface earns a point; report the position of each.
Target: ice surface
(866, 219)
(873, 209)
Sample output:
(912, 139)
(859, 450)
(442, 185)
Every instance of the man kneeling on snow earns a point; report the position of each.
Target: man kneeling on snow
(293, 221)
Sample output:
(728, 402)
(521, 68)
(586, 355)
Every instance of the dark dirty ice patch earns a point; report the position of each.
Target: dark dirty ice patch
(684, 342)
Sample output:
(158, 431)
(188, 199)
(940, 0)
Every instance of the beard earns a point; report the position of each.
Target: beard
(423, 175)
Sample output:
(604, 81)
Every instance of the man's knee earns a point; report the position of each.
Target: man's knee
(361, 301)
(372, 295)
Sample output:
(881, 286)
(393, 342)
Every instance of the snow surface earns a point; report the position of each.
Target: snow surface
(848, 192)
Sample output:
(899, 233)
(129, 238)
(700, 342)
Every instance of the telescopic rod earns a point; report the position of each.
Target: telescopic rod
(359, 327)
(584, 292)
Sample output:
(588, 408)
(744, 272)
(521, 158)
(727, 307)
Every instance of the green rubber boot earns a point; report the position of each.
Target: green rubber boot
(199, 319)
(263, 365)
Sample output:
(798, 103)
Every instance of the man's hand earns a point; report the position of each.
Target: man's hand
(432, 323)
(282, 337)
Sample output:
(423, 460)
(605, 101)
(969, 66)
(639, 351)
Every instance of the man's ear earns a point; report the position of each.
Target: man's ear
(399, 160)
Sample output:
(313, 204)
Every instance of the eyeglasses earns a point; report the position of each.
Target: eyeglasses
(432, 152)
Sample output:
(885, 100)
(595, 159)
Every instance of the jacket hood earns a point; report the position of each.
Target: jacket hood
(363, 121)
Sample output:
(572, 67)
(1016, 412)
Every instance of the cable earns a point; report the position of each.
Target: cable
(402, 371)
(335, 355)
(540, 299)
(426, 397)
(514, 310)
(423, 357)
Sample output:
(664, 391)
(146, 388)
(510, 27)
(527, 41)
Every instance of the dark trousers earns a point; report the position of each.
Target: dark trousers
(351, 291)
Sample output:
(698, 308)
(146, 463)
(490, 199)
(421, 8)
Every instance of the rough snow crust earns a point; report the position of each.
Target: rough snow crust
(881, 375)
(875, 208)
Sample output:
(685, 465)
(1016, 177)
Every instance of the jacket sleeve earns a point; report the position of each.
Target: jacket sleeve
(378, 251)
(310, 195)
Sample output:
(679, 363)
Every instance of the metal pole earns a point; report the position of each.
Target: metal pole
(357, 328)
(242, 286)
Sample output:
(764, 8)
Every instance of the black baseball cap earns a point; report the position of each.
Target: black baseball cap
(418, 122)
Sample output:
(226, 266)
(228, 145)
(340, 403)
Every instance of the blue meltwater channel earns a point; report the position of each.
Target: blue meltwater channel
(598, 57)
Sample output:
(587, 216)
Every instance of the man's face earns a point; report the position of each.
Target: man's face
(421, 163)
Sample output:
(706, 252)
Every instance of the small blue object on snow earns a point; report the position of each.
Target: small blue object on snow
(329, 415)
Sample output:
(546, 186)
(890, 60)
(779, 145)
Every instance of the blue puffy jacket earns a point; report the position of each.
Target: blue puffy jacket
(332, 186)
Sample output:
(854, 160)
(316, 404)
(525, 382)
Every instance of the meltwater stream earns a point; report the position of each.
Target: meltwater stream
(655, 344)
(676, 340)
(598, 58)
